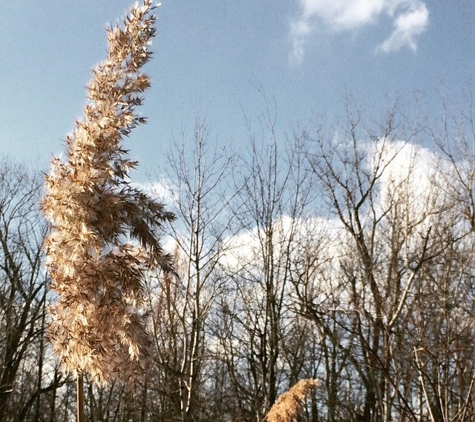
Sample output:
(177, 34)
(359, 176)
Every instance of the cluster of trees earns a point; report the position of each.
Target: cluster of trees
(342, 254)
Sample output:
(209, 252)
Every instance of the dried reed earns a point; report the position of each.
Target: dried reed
(290, 404)
(103, 230)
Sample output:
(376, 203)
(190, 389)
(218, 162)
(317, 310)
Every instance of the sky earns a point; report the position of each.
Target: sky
(225, 59)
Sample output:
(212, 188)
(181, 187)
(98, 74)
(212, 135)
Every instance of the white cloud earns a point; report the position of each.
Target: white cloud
(410, 19)
(161, 191)
(342, 14)
(299, 30)
(408, 173)
(407, 27)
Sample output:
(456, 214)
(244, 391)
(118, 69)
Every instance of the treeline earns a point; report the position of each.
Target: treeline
(344, 254)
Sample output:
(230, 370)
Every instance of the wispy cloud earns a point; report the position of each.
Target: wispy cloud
(410, 18)
(407, 27)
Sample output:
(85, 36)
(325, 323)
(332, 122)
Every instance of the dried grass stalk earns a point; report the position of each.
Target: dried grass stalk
(103, 235)
(290, 404)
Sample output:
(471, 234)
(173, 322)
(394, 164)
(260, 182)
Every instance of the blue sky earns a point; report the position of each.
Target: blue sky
(217, 55)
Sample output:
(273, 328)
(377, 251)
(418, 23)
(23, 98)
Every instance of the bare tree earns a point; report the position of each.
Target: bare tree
(445, 309)
(197, 175)
(23, 385)
(391, 226)
(255, 317)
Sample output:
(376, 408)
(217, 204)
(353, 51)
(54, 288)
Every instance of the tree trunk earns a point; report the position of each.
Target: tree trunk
(80, 398)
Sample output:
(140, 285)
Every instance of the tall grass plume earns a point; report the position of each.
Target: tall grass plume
(104, 233)
(290, 404)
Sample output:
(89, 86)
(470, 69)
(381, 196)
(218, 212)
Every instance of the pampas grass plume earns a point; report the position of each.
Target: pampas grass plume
(104, 235)
(289, 405)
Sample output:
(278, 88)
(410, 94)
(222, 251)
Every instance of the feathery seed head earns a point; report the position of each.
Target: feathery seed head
(290, 404)
(98, 324)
